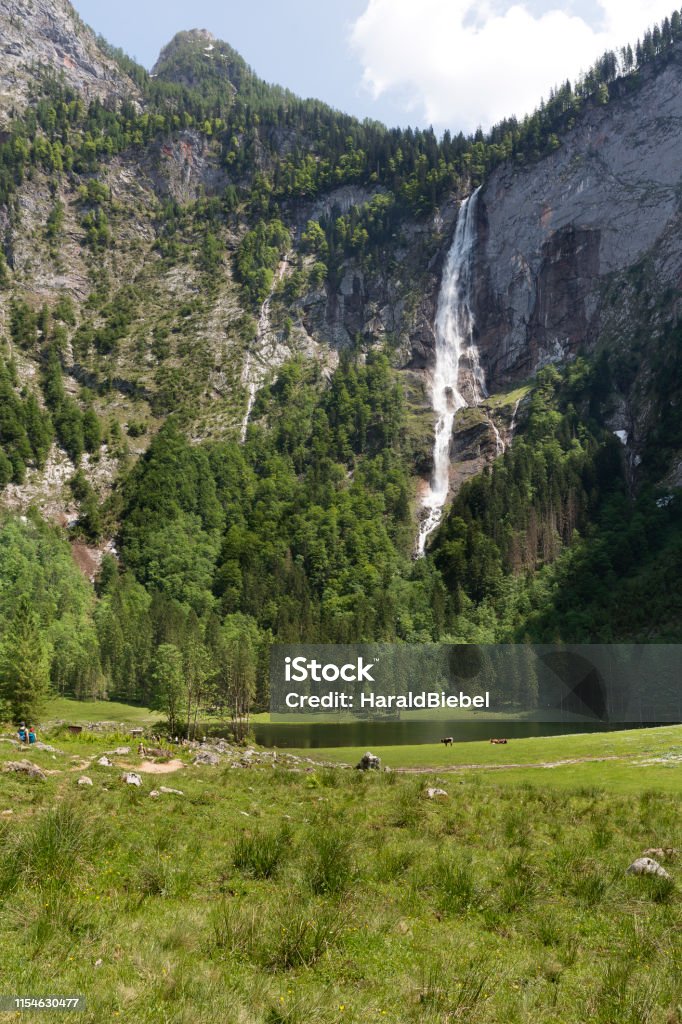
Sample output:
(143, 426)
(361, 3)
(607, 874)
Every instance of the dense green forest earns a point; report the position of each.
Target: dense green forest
(306, 530)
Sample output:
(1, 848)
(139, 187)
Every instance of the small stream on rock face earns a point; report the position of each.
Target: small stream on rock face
(453, 331)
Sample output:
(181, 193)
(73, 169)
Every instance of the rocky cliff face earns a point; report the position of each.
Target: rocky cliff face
(554, 237)
(38, 36)
(578, 250)
(393, 303)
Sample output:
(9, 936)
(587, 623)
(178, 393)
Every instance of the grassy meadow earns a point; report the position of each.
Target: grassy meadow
(267, 895)
(629, 761)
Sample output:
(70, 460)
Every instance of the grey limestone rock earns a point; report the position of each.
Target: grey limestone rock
(647, 866)
(369, 762)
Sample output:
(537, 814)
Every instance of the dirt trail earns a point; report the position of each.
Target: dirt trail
(159, 768)
(145, 767)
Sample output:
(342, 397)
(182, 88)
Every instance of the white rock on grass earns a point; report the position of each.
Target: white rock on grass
(105, 762)
(647, 866)
(84, 781)
(436, 794)
(154, 793)
(368, 762)
(131, 778)
(26, 767)
(206, 757)
(122, 751)
(167, 789)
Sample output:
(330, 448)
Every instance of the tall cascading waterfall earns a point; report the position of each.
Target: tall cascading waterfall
(453, 330)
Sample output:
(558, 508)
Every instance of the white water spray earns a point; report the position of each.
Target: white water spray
(453, 330)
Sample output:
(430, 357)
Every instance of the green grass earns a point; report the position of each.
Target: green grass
(502, 399)
(79, 712)
(540, 758)
(327, 895)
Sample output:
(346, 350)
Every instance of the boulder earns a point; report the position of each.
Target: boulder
(131, 778)
(105, 762)
(27, 767)
(647, 866)
(84, 781)
(662, 853)
(436, 794)
(368, 762)
(206, 757)
(121, 751)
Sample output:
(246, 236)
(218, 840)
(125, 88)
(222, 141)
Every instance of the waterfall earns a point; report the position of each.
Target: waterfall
(453, 331)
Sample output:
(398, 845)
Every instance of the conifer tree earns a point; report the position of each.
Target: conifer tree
(24, 665)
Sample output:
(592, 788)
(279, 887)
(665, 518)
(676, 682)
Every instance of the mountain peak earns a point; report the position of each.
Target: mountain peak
(194, 57)
(202, 34)
(192, 40)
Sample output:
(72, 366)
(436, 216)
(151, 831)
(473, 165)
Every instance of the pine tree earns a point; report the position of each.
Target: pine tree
(4, 272)
(24, 665)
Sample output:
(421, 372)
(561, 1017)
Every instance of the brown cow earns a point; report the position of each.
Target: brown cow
(498, 741)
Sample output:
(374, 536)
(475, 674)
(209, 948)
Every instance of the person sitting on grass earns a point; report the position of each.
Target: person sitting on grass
(22, 733)
(31, 734)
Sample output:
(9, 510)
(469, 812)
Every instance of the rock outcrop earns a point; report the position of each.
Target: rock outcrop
(647, 866)
(48, 36)
(369, 762)
(555, 236)
(25, 767)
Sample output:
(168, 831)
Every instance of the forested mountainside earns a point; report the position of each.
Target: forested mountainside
(217, 307)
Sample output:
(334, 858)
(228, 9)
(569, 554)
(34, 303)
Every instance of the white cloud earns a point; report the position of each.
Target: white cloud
(457, 65)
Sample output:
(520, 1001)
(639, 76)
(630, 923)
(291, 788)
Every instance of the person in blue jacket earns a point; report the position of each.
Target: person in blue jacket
(22, 733)
(31, 734)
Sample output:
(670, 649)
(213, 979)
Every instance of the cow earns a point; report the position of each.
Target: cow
(498, 741)
(448, 741)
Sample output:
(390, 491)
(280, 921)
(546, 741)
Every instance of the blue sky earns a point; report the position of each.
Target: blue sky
(302, 44)
(451, 63)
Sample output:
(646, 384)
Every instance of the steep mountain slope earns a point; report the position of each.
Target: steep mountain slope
(217, 307)
(583, 251)
(46, 37)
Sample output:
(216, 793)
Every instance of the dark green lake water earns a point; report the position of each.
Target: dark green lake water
(385, 734)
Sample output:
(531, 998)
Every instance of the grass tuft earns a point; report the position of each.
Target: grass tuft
(261, 854)
(50, 849)
(331, 864)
